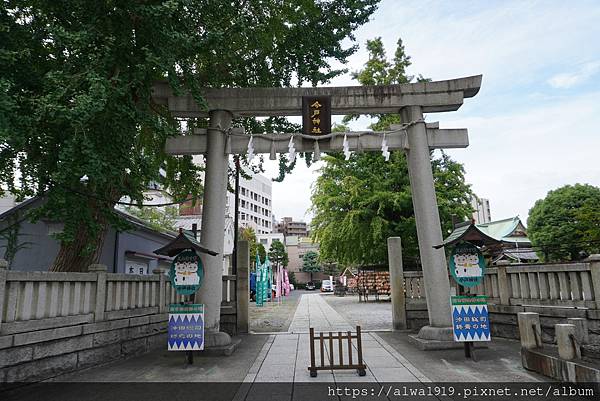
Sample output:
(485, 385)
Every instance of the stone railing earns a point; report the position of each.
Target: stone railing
(42, 300)
(53, 323)
(555, 291)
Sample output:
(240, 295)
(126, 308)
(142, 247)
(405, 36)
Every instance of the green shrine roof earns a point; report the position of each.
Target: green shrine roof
(509, 230)
(184, 240)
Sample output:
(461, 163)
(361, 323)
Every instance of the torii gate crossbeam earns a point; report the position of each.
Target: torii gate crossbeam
(410, 100)
(369, 141)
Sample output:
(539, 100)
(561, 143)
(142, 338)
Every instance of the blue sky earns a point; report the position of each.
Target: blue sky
(534, 125)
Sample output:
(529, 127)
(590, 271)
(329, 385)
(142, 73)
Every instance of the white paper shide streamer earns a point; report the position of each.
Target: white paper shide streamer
(291, 150)
(346, 147)
(384, 149)
(251, 148)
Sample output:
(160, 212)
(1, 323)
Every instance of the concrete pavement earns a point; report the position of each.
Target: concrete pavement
(286, 357)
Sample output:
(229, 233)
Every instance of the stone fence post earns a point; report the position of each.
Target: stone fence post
(530, 330)
(397, 283)
(100, 307)
(242, 291)
(162, 298)
(503, 283)
(568, 346)
(594, 261)
(581, 329)
(3, 273)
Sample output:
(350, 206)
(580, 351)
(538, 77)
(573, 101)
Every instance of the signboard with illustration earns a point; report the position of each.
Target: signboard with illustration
(186, 272)
(470, 319)
(467, 265)
(186, 327)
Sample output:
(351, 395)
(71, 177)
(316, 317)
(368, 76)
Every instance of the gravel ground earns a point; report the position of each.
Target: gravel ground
(372, 315)
(273, 317)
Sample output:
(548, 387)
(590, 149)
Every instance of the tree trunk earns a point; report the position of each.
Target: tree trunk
(86, 249)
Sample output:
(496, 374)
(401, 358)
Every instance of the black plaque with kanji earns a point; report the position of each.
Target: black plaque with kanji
(316, 115)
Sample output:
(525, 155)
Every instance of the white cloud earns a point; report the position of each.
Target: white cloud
(515, 158)
(524, 140)
(568, 80)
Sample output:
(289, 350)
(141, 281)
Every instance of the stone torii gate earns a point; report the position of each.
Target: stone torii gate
(416, 137)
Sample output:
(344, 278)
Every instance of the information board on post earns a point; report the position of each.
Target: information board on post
(187, 272)
(467, 265)
(186, 327)
(470, 318)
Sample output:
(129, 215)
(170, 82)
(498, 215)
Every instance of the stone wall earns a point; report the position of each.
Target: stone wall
(555, 291)
(37, 353)
(53, 323)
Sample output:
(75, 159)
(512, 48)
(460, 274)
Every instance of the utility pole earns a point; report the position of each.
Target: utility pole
(236, 217)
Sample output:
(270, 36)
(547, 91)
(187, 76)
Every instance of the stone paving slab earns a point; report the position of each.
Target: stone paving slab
(285, 358)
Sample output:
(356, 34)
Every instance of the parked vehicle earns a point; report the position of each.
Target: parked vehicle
(310, 286)
(291, 287)
(327, 286)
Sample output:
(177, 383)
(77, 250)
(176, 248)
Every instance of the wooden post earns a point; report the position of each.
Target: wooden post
(350, 348)
(340, 348)
(100, 307)
(322, 348)
(361, 371)
(313, 371)
(330, 349)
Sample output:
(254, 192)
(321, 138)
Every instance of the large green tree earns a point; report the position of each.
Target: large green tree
(310, 263)
(77, 120)
(256, 248)
(278, 255)
(565, 225)
(161, 219)
(360, 202)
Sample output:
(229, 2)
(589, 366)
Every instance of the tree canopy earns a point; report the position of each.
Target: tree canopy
(360, 202)
(248, 234)
(565, 225)
(160, 219)
(277, 254)
(310, 263)
(77, 120)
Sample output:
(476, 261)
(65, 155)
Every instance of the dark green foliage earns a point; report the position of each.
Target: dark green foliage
(75, 92)
(310, 262)
(160, 219)
(277, 254)
(565, 225)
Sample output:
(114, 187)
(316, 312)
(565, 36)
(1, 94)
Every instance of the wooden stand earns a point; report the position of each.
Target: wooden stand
(340, 337)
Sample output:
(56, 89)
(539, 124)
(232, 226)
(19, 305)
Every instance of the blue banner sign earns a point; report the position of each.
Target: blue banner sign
(470, 318)
(186, 327)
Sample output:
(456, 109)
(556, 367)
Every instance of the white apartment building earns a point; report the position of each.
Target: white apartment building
(256, 203)
(482, 210)
(268, 239)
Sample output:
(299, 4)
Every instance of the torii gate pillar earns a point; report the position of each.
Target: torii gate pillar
(429, 232)
(213, 226)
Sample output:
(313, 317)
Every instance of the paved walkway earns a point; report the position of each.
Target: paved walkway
(314, 312)
(285, 358)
